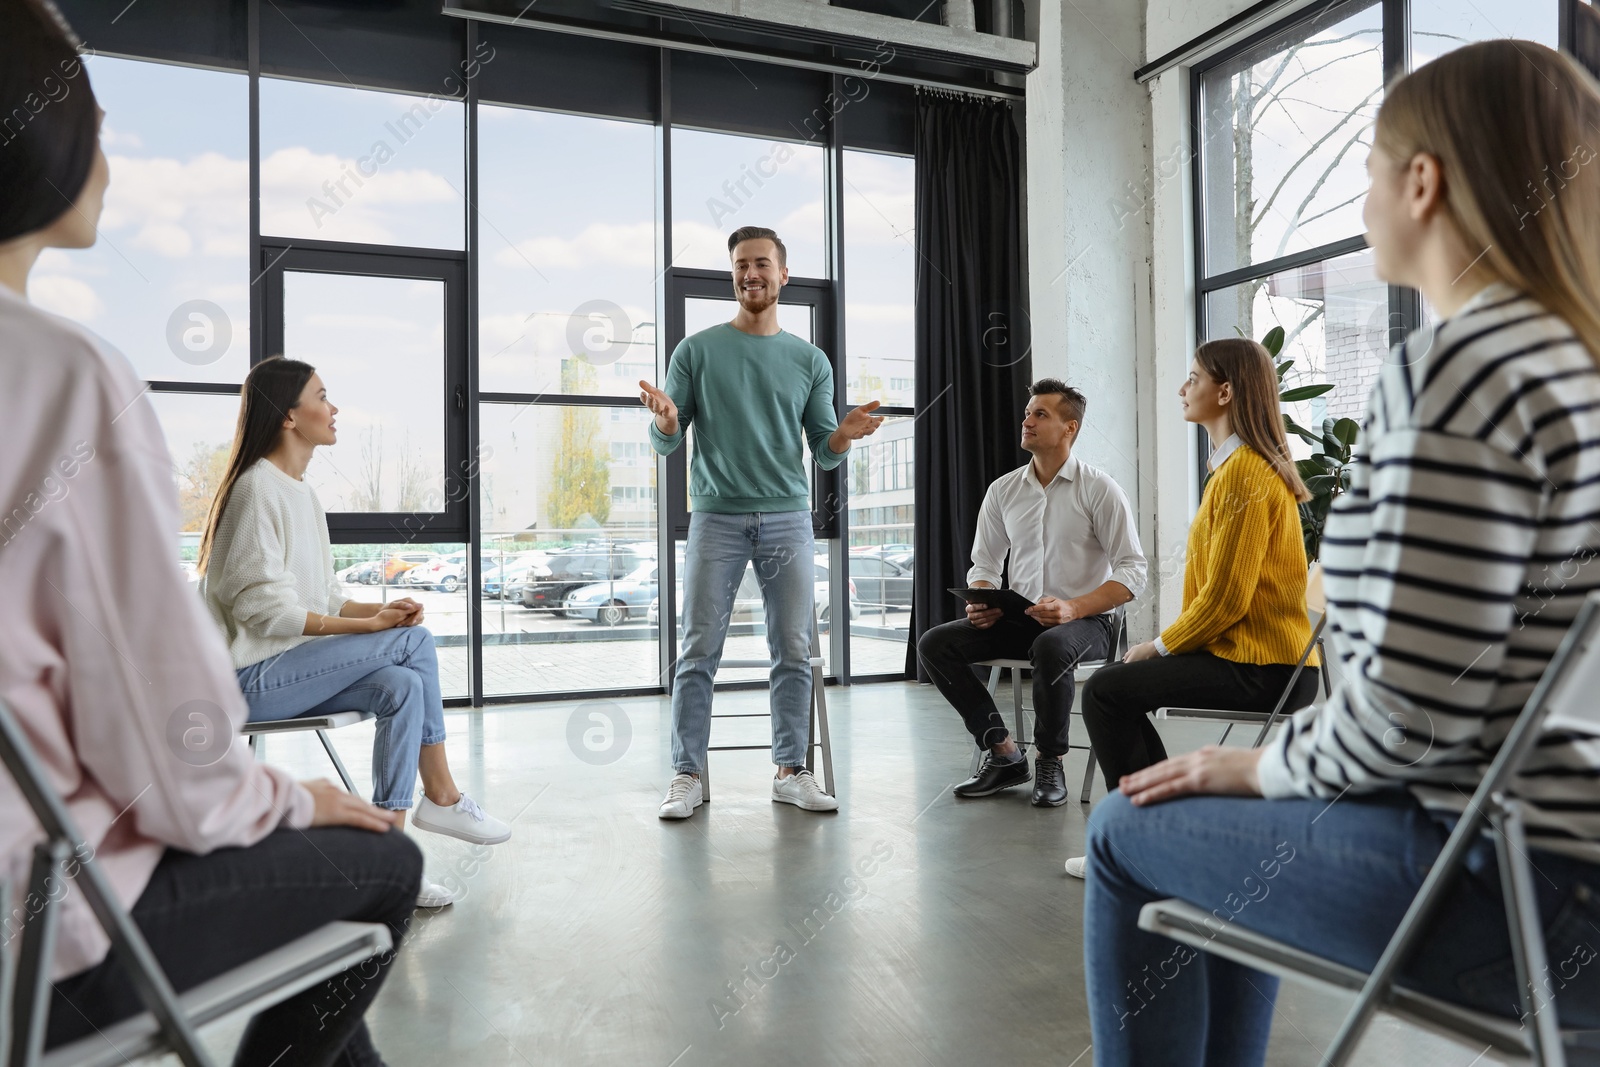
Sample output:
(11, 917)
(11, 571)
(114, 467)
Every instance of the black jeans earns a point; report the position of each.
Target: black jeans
(948, 651)
(1119, 697)
(204, 915)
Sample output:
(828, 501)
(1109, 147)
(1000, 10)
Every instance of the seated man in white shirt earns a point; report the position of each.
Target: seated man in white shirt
(1074, 552)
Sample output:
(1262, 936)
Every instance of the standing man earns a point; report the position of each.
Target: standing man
(750, 390)
(1069, 533)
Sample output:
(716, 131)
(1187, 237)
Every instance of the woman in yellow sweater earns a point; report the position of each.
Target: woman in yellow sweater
(1243, 625)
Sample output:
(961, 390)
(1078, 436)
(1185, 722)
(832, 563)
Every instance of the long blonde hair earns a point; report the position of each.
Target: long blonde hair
(1255, 415)
(1514, 127)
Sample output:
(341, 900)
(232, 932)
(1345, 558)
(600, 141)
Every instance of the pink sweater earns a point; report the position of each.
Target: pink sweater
(107, 655)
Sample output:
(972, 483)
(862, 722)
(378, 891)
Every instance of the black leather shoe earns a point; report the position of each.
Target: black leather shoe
(1050, 791)
(994, 776)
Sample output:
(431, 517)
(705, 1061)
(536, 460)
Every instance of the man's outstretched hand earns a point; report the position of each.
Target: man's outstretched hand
(661, 406)
(857, 424)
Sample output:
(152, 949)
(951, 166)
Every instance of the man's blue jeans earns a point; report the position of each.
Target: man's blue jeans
(780, 547)
(393, 673)
(1334, 879)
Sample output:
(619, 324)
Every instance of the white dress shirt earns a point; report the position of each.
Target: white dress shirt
(1064, 539)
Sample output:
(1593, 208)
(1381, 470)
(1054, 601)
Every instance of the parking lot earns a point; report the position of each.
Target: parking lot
(534, 650)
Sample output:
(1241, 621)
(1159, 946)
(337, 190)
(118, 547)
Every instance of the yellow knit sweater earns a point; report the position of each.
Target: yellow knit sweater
(1244, 582)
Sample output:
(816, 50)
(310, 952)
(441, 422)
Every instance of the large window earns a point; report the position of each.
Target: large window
(1286, 123)
(477, 277)
(880, 301)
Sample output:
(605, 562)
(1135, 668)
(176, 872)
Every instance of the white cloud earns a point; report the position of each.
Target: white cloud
(165, 239)
(65, 296)
(630, 244)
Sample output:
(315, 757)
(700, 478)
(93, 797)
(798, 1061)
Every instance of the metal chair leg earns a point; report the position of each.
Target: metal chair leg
(344, 775)
(819, 710)
(1016, 707)
(1088, 778)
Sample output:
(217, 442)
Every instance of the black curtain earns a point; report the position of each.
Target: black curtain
(973, 363)
(1586, 37)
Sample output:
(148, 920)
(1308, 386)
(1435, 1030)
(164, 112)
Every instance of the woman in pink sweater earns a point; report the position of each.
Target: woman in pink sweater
(118, 678)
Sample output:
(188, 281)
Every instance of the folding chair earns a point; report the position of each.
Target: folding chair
(1317, 615)
(1083, 670)
(819, 719)
(321, 724)
(171, 1023)
(1562, 701)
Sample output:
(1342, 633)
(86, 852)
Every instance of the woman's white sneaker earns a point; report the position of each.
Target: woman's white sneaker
(802, 790)
(683, 796)
(1077, 865)
(463, 820)
(434, 895)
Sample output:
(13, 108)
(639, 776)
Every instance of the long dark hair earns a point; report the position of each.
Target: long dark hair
(271, 390)
(1257, 416)
(45, 161)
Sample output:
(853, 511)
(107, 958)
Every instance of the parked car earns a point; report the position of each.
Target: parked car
(573, 568)
(367, 573)
(444, 573)
(610, 603)
(881, 581)
(400, 562)
(747, 598)
(506, 579)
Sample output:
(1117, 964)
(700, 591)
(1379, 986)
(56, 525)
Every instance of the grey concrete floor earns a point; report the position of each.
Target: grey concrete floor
(905, 929)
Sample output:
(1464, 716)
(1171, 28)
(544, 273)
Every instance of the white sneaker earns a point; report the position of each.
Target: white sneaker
(1076, 866)
(434, 895)
(802, 790)
(464, 820)
(683, 796)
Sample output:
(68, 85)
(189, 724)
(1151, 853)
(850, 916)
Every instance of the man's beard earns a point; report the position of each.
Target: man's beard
(758, 301)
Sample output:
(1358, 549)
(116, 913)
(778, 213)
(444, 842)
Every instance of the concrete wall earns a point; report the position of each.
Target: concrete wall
(1088, 145)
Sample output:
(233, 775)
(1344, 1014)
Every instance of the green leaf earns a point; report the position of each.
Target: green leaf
(1347, 430)
(1285, 365)
(1308, 468)
(1273, 341)
(1303, 392)
(1290, 426)
(1332, 446)
(1325, 462)
(1321, 484)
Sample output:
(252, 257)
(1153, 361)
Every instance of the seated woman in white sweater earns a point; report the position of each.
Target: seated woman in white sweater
(298, 645)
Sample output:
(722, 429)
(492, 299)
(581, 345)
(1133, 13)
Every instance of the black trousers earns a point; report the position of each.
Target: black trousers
(1119, 697)
(948, 651)
(204, 915)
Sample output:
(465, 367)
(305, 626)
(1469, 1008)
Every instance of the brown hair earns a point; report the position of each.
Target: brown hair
(271, 390)
(1074, 400)
(1511, 124)
(758, 233)
(1256, 416)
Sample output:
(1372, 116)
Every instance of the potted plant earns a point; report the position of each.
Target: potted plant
(1327, 471)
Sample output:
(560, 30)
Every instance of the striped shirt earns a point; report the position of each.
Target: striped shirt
(1454, 566)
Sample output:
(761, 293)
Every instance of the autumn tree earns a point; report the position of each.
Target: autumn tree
(198, 479)
(580, 481)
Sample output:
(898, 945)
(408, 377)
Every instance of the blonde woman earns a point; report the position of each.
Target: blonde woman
(1477, 483)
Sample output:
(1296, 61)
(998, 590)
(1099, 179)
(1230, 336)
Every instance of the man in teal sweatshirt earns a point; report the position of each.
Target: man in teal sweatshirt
(750, 390)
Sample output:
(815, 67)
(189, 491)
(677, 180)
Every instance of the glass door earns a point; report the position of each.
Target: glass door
(698, 300)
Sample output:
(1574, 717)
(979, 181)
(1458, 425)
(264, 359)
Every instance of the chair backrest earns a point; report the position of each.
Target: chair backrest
(1316, 599)
(27, 1008)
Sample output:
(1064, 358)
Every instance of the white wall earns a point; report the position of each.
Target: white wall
(1088, 138)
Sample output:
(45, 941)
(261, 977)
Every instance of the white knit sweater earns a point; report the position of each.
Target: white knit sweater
(271, 562)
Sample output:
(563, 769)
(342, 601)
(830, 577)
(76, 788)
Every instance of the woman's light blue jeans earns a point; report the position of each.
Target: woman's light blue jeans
(780, 546)
(394, 674)
(1334, 879)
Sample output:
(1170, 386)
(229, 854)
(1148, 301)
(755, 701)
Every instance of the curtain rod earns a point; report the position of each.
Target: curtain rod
(1218, 35)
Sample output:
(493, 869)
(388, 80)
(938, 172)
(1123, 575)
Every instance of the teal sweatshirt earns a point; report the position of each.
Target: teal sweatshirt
(749, 398)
